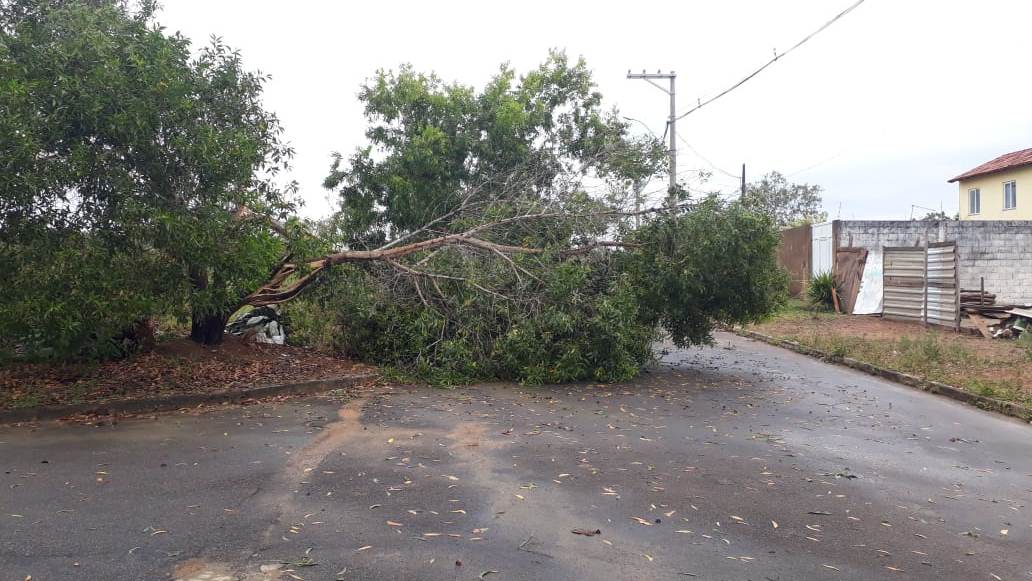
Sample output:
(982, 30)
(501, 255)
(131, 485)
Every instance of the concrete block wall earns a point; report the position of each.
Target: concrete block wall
(999, 250)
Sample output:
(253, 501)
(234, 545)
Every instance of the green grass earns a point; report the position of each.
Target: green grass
(1025, 342)
(927, 354)
(800, 310)
(1005, 390)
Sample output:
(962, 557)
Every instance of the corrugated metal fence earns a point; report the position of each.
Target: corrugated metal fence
(903, 274)
(921, 284)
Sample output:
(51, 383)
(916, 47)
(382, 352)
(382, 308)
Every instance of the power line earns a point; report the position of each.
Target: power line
(818, 164)
(703, 158)
(771, 61)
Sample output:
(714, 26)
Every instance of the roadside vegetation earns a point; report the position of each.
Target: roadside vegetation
(821, 291)
(994, 368)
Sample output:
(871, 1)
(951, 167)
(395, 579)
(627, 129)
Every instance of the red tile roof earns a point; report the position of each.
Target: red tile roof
(1005, 161)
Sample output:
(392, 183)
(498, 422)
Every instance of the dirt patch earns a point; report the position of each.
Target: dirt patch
(332, 437)
(176, 367)
(198, 569)
(993, 367)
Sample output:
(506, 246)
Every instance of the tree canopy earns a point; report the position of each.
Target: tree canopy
(122, 150)
(436, 148)
(788, 204)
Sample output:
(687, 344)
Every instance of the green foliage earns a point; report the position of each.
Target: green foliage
(128, 159)
(56, 315)
(584, 325)
(937, 216)
(434, 147)
(591, 317)
(454, 159)
(118, 140)
(714, 263)
(787, 204)
(819, 290)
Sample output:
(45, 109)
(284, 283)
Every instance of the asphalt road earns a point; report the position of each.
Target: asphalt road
(738, 462)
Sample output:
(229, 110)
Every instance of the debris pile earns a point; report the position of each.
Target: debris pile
(261, 325)
(993, 320)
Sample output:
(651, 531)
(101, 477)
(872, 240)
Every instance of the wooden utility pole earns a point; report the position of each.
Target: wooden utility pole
(671, 124)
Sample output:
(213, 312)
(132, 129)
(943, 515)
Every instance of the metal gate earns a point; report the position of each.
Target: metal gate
(921, 284)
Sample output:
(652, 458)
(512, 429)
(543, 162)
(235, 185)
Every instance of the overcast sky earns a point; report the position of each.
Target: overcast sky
(880, 109)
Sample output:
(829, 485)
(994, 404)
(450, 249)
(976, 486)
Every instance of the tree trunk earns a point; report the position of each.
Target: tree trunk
(208, 329)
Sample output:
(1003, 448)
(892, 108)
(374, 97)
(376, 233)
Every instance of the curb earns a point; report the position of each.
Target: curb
(987, 403)
(180, 401)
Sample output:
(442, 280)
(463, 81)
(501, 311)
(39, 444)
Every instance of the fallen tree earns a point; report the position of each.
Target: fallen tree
(484, 232)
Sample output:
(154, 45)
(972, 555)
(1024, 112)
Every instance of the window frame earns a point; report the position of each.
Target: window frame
(974, 201)
(1013, 195)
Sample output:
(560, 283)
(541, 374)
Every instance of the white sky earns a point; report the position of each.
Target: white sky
(880, 109)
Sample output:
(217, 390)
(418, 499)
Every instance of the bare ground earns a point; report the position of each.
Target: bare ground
(175, 367)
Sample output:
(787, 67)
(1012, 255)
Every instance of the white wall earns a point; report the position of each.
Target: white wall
(823, 257)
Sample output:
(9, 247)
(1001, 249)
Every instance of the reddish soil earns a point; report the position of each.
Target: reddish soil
(175, 367)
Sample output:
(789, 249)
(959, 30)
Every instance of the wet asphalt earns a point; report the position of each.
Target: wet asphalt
(736, 462)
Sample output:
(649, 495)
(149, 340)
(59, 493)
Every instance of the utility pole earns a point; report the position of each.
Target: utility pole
(639, 185)
(671, 124)
(743, 180)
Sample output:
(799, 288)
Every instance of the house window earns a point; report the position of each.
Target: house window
(1010, 195)
(974, 201)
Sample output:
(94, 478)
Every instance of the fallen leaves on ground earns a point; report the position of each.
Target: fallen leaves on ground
(179, 366)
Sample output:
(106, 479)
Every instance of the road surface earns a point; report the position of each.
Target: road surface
(737, 462)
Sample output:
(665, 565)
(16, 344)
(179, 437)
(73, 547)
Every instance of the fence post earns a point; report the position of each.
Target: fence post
(924, 280)
(956, 284)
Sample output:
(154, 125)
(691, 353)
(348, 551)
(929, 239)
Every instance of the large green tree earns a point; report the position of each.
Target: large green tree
(117, 141)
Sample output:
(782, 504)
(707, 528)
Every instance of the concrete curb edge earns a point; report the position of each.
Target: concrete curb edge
(180, 401)
(987, 403)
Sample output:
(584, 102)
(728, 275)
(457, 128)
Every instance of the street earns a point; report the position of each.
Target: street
(740, 461)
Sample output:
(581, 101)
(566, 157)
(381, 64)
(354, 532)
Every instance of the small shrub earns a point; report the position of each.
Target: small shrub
(819, 291)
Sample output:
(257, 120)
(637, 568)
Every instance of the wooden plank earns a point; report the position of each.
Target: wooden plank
(982, 324)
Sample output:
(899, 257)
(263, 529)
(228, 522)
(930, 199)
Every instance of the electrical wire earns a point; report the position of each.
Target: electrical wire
(816, 165)
(771, 61)
(708, 162)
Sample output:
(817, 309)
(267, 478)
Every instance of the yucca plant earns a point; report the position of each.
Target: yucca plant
(819, 291)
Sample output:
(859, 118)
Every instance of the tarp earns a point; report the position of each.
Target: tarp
(869, 299)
